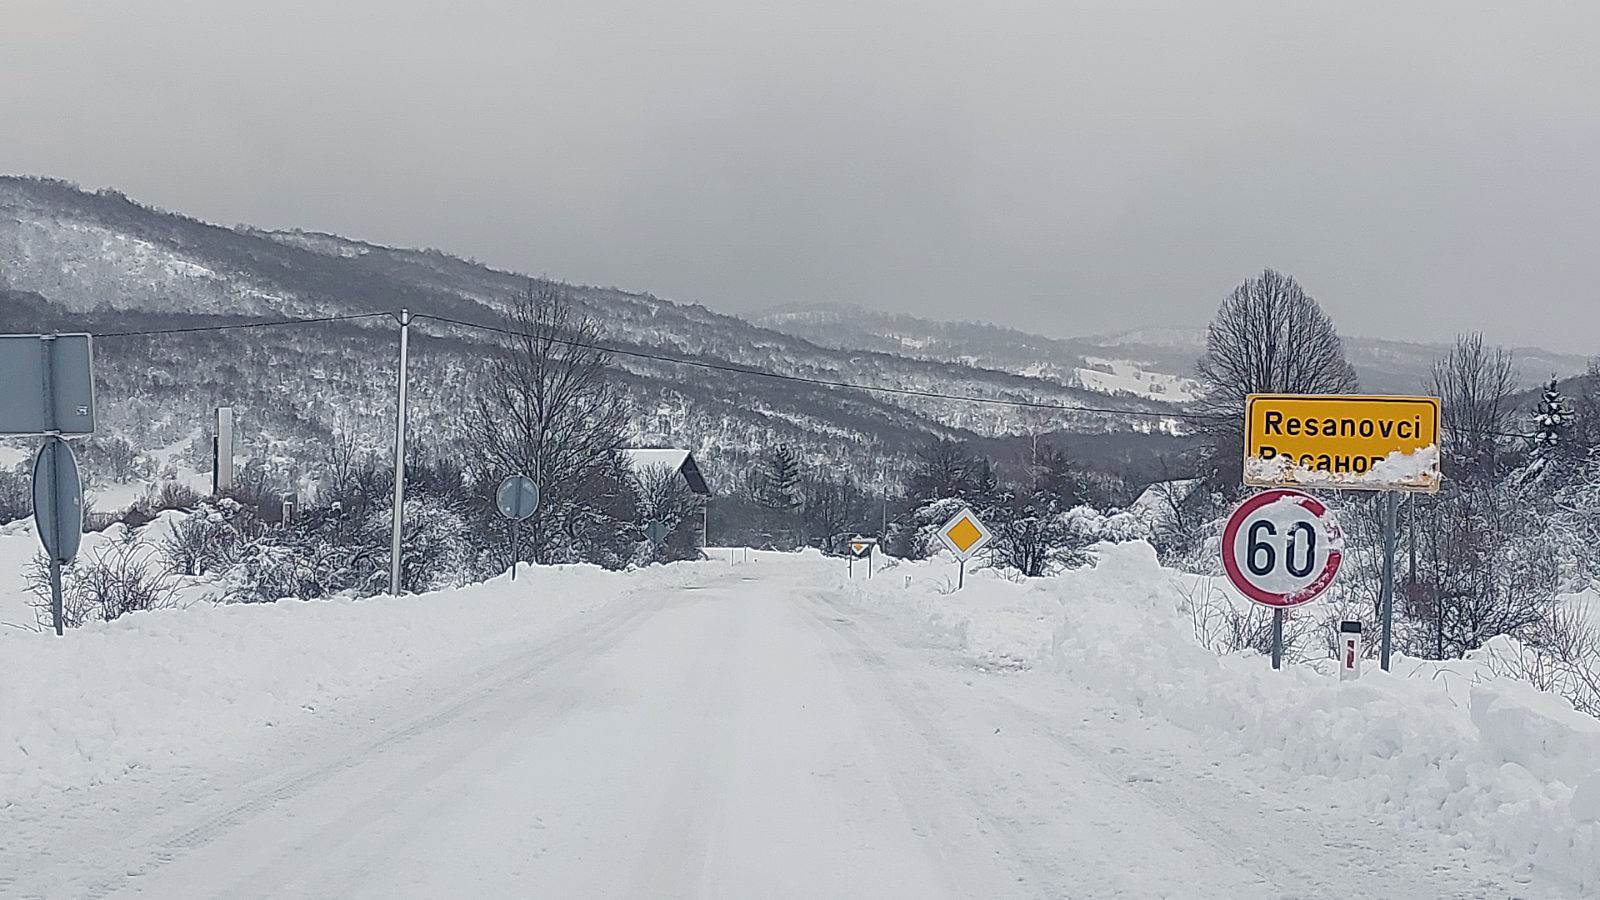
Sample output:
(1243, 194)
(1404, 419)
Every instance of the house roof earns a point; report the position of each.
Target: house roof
(649, 459)
(680, 461)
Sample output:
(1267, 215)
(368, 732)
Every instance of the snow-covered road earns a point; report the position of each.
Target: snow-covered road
(746, 732)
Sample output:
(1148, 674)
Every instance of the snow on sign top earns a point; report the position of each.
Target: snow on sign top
(1281, 548)
(965, 534)
(1342, 442)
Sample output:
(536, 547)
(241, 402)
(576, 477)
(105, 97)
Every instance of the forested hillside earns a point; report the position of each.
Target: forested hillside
(73, 260)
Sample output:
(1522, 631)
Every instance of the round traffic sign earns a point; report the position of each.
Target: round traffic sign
(517, 498)
(1281, 548)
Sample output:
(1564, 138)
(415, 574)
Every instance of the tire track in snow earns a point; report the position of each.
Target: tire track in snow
(586, 636)
(1006, 837)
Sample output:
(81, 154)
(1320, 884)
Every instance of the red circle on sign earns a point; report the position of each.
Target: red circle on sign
(1280, 599)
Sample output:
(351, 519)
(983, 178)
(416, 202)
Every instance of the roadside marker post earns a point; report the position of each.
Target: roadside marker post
(1344, 442)
(1349, 650)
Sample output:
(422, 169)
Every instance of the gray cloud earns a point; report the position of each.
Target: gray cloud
(1422, 167)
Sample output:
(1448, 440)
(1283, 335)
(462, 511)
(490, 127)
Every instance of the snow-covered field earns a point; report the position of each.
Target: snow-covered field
(1121, 375)
(768, 728)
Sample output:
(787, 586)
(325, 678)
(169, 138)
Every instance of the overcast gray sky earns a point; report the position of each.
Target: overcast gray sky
(1422, 167)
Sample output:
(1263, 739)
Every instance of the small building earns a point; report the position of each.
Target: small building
(1166, 504)
(680, 461)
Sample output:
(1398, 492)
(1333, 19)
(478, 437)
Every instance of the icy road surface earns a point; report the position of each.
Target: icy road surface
(745, 733)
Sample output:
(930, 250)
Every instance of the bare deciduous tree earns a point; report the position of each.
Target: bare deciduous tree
(546, 408)
(1269, 337)
(666, 498)
(1475, 383)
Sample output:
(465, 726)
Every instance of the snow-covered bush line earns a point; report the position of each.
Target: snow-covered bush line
(1453, 746)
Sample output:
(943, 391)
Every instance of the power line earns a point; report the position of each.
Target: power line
(712, 366)
(277, 323)
(824, 382)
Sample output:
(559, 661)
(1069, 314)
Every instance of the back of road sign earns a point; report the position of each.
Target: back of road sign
(656, 531)
(58, 501)
(31, 365)
(517, 498)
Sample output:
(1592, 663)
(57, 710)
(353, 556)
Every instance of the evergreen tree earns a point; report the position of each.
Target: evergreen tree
(1552, 422)
(780, 479)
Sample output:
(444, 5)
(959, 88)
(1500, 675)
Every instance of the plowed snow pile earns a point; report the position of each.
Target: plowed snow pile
(1446, 747)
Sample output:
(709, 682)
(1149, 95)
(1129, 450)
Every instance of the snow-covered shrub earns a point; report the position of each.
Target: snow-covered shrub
(211, 538)
(1575, 523)
(1561, 656)
(16, 496)
(436, 544)
(120, 576)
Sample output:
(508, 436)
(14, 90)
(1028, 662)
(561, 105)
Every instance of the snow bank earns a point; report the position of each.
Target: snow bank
(1447, 747)
(1418, 469)
(164, 688)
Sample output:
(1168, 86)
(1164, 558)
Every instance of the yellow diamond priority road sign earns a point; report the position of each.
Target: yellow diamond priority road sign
(1342, 442)
(965, 535)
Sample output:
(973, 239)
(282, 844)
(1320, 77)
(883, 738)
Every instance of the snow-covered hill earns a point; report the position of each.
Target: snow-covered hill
(1156, 362)
(72, 260)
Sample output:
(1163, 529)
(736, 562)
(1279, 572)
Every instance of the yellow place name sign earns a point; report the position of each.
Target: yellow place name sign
(1338, 441)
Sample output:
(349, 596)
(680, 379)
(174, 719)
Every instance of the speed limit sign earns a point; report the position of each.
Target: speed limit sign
(1281, 548)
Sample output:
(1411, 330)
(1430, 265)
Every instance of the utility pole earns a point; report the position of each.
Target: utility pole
(399, 456)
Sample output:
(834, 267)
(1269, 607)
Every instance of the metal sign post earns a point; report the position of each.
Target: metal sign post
(516, 547)
(1277, 638)
(517, 499)
(1391, 505)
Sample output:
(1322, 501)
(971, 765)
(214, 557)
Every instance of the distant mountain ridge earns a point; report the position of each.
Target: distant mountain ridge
(1160, 357)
